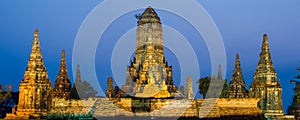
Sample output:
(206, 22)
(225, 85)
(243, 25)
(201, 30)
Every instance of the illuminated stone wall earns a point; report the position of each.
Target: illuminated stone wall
(103, 107)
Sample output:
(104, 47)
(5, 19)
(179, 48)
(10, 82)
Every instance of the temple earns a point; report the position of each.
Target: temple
(237, 84)
(62, 86)
(149, 75)
(266, 86)
(35, 88)
(149, 91)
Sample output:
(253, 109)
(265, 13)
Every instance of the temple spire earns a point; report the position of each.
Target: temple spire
(237, 83)
(36, 48)
(63, 66)
(265, 85)
(265, 49)
(220, 72)
(62, 87)
(35, 62)
(237, 68)
(237, 60)
(265, 64)
(78, 74)
(35, 59)
(34, 83)
(149, 75)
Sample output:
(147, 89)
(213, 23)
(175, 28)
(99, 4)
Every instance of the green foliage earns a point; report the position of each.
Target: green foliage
(205, 83)
(297, 87)
(82, 89)
(298, 76)
(296, 100)
(5, 94)
(70, 117)
(226, 90)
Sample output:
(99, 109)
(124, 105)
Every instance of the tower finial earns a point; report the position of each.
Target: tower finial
(237, 60)
(62, 86)
(265, 44)
(237, 56)
(36, 33)
(148, 16)
(265, 36)
(63, 61)
(63, 54)
(237, 83)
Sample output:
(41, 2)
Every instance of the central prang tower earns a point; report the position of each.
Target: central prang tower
(149, 75)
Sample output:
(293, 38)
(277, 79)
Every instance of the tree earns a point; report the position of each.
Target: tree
(298, 76)
(82, 89)
(205, 83)
(0, 88)
(226, 90)
(294, 108)
(7, 93)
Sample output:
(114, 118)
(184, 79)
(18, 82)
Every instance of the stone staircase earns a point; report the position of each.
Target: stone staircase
(105, 107)
(208, 109)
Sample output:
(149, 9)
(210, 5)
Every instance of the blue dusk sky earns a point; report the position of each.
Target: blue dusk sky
(241, 24)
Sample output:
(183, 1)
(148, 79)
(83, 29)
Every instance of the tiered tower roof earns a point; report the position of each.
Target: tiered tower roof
(265, 65)
(62, 86)
(149, 16)
(237, 83)
(266, 86)
(36, 70)
(35, 88)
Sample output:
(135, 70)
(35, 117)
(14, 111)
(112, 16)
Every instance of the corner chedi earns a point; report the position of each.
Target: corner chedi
(35, 88)
(81, 89)
(149, 75)
(237, 84)
(62, 86)
(266, 86)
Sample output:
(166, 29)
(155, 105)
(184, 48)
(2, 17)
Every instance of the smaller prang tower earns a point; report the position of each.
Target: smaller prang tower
(237, 84)
(62, 86)
(265, 85)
